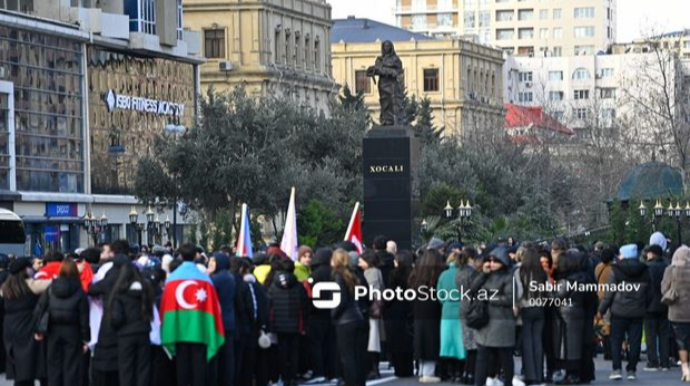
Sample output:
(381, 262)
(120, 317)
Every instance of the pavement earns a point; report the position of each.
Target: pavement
(659, 378)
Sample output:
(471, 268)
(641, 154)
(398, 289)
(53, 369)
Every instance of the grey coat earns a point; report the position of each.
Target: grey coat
(679, 311)
(500, 331)
(463, 280)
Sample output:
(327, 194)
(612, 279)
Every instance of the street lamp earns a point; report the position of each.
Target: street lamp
(134, 221)
(642, 209)
(449, 210)
(176, 130)
(677, 212)
(425, 225)
(464, 212)
(658, 209)
(95, 227)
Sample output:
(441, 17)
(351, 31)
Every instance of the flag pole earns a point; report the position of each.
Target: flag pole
(352, 220)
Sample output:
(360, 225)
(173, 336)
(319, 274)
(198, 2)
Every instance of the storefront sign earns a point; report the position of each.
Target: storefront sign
(126, 102)
(61, 209)
(51, 234)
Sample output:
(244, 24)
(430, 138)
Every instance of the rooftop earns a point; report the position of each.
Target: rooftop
(528, 116)
(354, 30)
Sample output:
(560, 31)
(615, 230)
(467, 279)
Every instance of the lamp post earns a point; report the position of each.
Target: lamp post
(673, 212)
(95, 227)
(464, 212)
(176, 131)
(134, 221)
(658, 212)
(152, 226)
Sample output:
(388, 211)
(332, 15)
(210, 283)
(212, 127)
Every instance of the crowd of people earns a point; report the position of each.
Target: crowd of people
(114, 315)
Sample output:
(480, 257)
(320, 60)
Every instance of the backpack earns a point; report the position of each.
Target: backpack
(477, 314)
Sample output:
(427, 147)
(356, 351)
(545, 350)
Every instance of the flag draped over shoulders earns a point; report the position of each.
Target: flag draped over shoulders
(190, 311)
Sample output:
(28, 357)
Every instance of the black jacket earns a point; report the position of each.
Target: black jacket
(288, 306)
(244, 307)
(628, 304)
(348, 311)
(321, 271)
(126, 316)
(656, 268)
(387, 266)
(68, 309)
(224, 282)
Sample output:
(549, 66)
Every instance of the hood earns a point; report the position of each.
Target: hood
(659, 239)
(222, 261)
(285, 280)
(260, 258)
(249, 278)
(501, 254)
(630, 268)
(681, 257)
(322, 257)
(436, 243)
(64, 288)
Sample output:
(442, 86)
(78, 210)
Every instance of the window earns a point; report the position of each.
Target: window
(525, 96)
(508, 51)
(214, 43)
(608, 93)
(445, 5)
(584, 32)
(469, 19)
(686, 44)
(525, 76)
(555, 96)
(467, 3)
(544, 14)
(445, 20)
(526, 51)
(581, 73)
(557, 13)
(504, 15)
(557, 51)
(584, 13)
(544, 33)
(526, 14)
(362, 82)
(317, 54)
(484, 19)
(608, 114)
(580, 113)
(430, 80)
(581, 94)
(526, 33)
(558, 33)
(584, 50)
(555, 75)
(418, 5)
(607, 72)
(505, 34)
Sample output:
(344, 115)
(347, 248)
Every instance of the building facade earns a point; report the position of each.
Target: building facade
(519, 27)
(271, 47)
(83, 92)
(463, 80)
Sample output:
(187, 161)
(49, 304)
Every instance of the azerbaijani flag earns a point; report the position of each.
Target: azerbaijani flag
(190, 312)
(244, 241)
(354, 230)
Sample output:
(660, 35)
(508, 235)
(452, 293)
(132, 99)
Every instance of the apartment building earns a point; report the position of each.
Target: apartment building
(676, 42)
(271, 47)
(462, 79)
(518, 27)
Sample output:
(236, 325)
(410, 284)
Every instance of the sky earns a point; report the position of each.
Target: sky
(635, 17)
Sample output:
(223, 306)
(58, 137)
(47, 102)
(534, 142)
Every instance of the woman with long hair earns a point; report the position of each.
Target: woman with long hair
(676, 290)
(351, 327)
(427, 315)
(369, 263)
(68, 332)
(25, 356)
(464, 277)
(398, 313)
(131, 310)
(452, 347)
(529, 275)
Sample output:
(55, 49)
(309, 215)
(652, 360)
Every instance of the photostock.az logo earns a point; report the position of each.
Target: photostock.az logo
(325, 287)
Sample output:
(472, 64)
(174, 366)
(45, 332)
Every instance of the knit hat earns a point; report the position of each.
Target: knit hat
(629, 251)
(304, 249)
(655, 249)
(659, 239)
(19, 265)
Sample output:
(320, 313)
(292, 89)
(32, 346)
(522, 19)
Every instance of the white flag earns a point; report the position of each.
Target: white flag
(289, 243)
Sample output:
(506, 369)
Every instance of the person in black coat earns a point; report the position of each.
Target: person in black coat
(104, 363)
(25, 355)
(386, 258)
(656, 325)
(4, 274)
(321, 331)
(244, 319)
(68, 332)
(222, 365)
(288, 310)
(398, 318)
(131, 311)
(427, 315)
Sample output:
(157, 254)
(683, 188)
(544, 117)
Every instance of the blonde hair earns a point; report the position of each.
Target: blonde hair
(454, 257)
(341, 265)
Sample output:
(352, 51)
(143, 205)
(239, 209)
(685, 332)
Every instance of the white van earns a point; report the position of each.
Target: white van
(12, 236)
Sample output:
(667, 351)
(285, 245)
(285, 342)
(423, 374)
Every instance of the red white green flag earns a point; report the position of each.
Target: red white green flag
(190, 312)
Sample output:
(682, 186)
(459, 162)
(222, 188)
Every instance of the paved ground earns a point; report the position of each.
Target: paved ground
(671, 377)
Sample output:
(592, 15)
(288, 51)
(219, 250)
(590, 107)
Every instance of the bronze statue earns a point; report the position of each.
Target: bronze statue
(389, 69)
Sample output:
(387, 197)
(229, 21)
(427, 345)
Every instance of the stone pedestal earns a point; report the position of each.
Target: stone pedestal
(390, 156)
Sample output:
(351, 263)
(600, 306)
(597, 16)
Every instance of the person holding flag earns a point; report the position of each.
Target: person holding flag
(191, 322)
(244, 240)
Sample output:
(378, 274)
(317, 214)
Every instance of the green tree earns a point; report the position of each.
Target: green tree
(319, 225)
(424, 124)
(618, 218)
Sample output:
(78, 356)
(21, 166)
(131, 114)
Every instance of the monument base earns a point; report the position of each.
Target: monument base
(391, 154)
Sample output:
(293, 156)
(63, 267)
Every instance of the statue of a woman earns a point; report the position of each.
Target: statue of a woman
(389, 69)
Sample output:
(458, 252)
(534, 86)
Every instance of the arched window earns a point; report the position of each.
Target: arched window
(581, 73)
